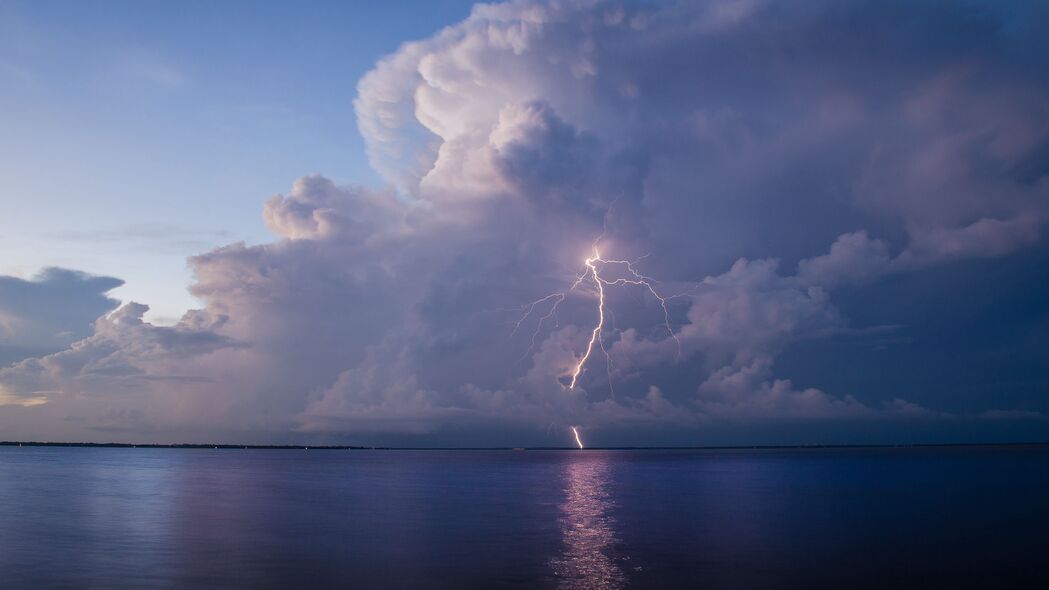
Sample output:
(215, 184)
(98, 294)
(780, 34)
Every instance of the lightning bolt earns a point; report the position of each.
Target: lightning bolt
(594, 266)
(591, 270)
(575, 433)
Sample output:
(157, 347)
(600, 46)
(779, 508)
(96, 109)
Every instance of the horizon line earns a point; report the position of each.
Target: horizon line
(562, 448)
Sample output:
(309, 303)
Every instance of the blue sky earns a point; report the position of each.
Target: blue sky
(136, 134)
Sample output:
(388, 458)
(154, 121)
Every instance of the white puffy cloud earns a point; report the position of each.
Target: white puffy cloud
(123, 352)
(316, 209)
(853, 257)
(748, 391)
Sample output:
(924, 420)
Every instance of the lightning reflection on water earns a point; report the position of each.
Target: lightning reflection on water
(588, 527)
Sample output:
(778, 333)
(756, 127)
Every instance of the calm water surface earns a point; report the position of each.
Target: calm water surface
(149, 518)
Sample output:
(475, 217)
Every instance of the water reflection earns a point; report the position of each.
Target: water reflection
(587, 527)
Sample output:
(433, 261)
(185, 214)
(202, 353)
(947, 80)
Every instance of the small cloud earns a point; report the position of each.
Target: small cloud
(155, 237)
(901, 407)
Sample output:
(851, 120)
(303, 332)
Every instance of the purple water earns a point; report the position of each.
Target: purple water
(161, 518)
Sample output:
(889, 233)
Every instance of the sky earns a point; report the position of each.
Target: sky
(662, 223)
(138, 134)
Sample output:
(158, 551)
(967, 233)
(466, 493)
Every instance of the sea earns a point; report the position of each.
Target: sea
(902, 517)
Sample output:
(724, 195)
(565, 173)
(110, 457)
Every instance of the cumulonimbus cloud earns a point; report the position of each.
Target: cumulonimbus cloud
(729, 142)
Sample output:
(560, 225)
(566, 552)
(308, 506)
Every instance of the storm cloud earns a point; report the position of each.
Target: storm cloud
(777, 166)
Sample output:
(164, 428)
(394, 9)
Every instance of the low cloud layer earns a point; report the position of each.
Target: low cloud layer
(772, 164)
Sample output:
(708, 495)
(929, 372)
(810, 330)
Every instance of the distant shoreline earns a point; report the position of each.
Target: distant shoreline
(364, 448)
